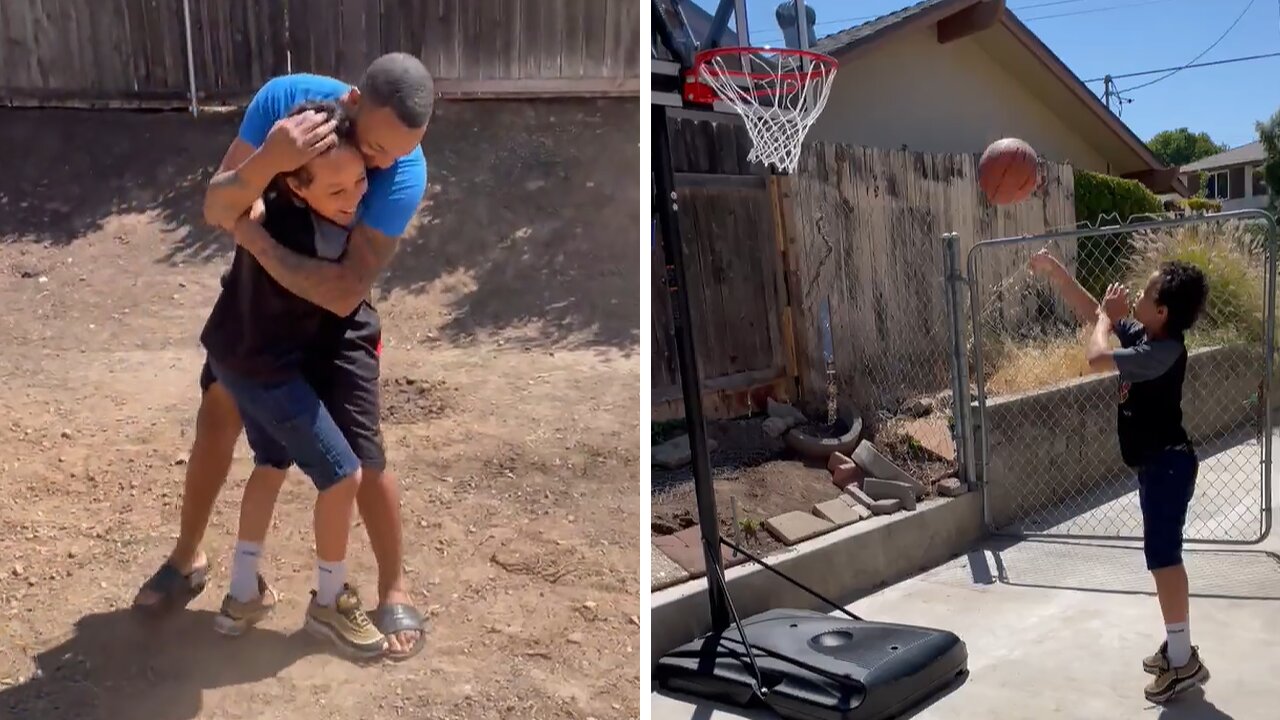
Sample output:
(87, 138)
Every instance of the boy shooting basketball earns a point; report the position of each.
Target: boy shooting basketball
(1151, 363)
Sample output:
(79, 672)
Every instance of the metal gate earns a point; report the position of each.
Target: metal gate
(1046, 450)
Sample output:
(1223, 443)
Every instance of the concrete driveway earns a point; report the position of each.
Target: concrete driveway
(1058, 628)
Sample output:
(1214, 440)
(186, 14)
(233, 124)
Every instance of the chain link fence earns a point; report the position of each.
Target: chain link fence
(1045, 423)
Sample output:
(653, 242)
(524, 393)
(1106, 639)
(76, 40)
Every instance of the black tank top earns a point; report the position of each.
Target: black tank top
(258, 328)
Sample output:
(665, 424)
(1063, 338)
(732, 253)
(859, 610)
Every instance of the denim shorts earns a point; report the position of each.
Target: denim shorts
(348, 387)
(285, 423)
(1165, 487)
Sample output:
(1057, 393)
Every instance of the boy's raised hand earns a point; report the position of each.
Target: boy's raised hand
(1115, 304)
(1045, 264)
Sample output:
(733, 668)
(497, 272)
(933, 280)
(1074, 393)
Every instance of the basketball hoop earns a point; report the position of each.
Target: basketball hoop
(778, 92)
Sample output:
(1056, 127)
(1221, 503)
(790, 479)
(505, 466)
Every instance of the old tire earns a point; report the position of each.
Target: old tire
(819, 449)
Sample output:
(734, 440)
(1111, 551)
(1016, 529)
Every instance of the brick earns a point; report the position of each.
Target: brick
(841, 511)
(885, 507)
(797, 526)
(837, 460)
(685, 548)
(934, 435)
(951, 487)
(881, 489)
(877, 465)
(846, 475)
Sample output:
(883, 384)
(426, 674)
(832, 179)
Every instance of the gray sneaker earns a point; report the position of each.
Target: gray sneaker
(235, 617)
(1170, 681)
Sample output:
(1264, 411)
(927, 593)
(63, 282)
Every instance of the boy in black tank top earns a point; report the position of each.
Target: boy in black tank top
(264, 344)
(1151, 364)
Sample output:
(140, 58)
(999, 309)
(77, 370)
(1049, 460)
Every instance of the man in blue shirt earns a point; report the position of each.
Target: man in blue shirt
(391, 107)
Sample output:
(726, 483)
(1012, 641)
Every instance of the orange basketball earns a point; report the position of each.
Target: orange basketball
(1008, 171)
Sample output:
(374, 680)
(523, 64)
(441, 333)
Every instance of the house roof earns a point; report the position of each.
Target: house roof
(928, 11)
(849, 37)
(1253, 152)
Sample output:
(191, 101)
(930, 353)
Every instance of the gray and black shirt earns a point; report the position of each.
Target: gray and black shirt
(1151, 376)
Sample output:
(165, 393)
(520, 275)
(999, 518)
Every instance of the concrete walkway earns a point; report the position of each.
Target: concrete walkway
(1058, 629)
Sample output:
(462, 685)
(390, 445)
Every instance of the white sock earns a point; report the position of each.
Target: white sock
(1178, 636)
(330, 577)
(244, 571)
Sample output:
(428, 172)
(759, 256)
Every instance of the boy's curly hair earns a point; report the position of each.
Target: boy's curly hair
(1183, 291)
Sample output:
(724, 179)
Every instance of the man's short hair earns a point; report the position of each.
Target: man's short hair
(400, 82)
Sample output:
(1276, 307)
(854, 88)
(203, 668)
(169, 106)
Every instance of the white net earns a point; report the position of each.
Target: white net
(778, 94)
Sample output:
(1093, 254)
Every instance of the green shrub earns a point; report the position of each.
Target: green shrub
(1231, 263)
(1104, 199)
(1099, 195)
(1202, 205)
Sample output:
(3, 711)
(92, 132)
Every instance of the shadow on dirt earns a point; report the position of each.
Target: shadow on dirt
(119, 665)
(531, 214)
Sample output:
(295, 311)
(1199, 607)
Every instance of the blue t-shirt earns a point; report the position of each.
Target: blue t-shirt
(394, 193)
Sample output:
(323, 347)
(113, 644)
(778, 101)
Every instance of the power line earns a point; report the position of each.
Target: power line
(1211, 63)
(1221, 37)
(1091, 11)
(774, 35)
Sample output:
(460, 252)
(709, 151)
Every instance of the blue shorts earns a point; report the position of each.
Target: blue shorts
(285, 423)
(1165, 487)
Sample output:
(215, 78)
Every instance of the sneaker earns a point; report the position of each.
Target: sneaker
(1170, 680)
(346, 625)
(1155, 664)
(235, 617)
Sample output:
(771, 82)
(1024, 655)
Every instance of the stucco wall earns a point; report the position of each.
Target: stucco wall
(942, 98)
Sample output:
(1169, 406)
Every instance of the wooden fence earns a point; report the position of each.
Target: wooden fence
(134, 52)
(735, 275)
(864, 237)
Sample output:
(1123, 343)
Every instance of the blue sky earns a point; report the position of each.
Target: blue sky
(1096, 37)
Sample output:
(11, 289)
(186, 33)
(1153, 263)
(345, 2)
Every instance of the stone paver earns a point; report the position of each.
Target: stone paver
(881, 489)
(886, 507)
(675, 453)
(951, 487)
(841, 511)
(797, 526)
(685, 549)
(665, 571)
(933, 434)
(859, 496)
(870, 459)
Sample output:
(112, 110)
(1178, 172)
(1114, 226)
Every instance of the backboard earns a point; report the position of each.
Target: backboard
(681, 28)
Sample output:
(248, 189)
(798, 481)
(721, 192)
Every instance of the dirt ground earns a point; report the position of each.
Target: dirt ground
(511, 374)
(762, 492)
(766, 479)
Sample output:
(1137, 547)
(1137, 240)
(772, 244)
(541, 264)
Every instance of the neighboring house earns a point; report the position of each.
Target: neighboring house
(1233, 177)
(954, 75)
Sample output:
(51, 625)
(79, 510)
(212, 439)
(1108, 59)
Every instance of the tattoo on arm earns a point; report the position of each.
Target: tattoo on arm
(235, 187)
(338, 287)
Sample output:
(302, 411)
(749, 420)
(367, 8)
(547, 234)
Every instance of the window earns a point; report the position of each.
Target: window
(1259, 183)
(1217, 185)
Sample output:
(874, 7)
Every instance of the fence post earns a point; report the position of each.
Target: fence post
(191, 62)
(962, 418)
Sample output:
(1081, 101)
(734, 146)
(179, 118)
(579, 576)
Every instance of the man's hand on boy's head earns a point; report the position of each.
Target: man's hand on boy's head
(294, 140)
(1115, 304)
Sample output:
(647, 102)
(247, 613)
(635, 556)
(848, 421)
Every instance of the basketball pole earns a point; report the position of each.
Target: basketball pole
(690, 377)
